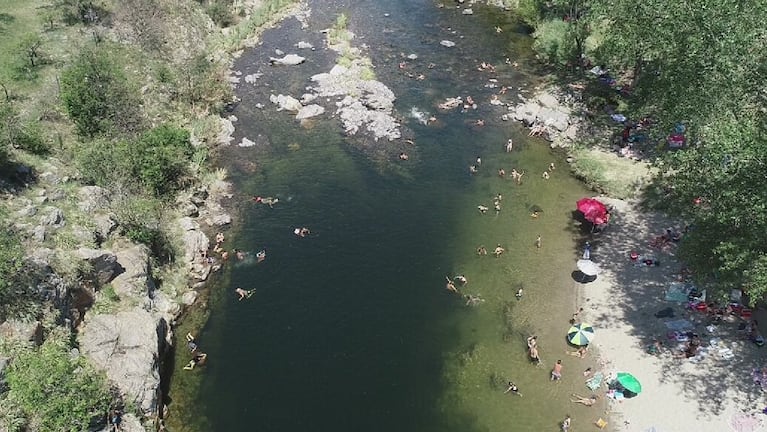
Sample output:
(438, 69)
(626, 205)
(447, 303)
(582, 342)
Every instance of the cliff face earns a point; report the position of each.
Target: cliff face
(129, 346)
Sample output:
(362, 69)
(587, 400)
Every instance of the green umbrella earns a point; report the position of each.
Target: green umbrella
(580, 334)
(629, 382)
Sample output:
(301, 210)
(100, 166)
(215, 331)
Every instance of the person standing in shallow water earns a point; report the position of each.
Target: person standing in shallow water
(556, 373)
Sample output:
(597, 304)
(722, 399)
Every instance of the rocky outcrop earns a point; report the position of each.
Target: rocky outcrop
(135, 280)
(103, 264)
(548, 116)
(128, 346)
(25, 332)
(366, 103)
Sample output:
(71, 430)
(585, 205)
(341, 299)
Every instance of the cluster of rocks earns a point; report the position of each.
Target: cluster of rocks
(549, 114)
(127, 340)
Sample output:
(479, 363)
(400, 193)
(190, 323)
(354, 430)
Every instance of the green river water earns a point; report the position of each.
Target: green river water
(351, 329)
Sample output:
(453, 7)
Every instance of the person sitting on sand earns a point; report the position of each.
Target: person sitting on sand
(580, 352)
(533, 351)
(532, 341)
(556, 373)
(191, 343)
(244, 293)
(588, 401)
(498, 251)
(198, 359)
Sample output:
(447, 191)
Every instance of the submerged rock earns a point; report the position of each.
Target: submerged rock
(447, 43)
(287, 103)
(309, 111)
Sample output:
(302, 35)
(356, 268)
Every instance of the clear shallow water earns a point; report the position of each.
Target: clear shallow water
(352, 328)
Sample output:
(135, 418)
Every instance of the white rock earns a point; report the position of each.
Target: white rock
(309, 111)
(447, 43)
(288, 60)
(288, 103)
(279, 52)
(467, 11)
(412, 56)
(246, 142)
(304, 45)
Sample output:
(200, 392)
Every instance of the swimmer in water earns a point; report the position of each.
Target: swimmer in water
(261, 255)
(244, 293)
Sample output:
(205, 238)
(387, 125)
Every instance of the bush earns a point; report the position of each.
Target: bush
(56, 391)
(156, 162)
(97, 97)
(221, 14)
(554, 43)
(11, 263)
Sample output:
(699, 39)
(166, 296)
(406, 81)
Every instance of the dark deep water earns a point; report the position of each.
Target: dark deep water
(350, 328)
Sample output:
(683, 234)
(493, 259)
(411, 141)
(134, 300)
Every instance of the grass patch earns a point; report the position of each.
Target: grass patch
(610, 174)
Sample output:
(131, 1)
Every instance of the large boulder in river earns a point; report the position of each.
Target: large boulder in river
(128, 347)
(309, 111)
(286, 103)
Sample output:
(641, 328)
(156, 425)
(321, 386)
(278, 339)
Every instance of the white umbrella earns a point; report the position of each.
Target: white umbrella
(588, 267)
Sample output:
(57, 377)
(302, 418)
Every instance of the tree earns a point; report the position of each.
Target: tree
(720, 187)
(690, 59)
(98, 96)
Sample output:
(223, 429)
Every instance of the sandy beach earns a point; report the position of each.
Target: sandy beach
(705, 393)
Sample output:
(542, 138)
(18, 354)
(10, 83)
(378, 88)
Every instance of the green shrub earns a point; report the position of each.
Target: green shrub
(57, 392)
(155, 162)
(11, 262)
(221, 14)
(97, 96)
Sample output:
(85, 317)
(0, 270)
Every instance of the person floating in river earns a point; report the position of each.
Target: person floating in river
(450, 286)
(244, 293)
(261, 255)
(512, 388)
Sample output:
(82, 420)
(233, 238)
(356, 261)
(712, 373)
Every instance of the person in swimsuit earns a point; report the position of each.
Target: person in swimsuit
(244, 293)
(512, 388)
(556, 373)
(196, 360)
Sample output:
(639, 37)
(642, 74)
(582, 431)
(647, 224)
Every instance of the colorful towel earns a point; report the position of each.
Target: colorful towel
(595, 382)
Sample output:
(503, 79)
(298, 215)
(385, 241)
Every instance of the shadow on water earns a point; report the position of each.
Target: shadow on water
(350, 327)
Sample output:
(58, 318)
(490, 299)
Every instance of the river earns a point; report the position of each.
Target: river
(351, 328)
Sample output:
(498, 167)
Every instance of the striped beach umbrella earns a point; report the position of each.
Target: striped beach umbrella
(580, 334)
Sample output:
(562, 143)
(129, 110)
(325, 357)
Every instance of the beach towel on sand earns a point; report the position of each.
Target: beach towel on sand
(678, 292)
(595, 382)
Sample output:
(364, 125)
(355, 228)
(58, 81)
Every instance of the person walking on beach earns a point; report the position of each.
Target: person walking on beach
(556, 373)
(512, 388)
(587, 251)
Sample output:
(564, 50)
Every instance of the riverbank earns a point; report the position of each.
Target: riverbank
(627, 304)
